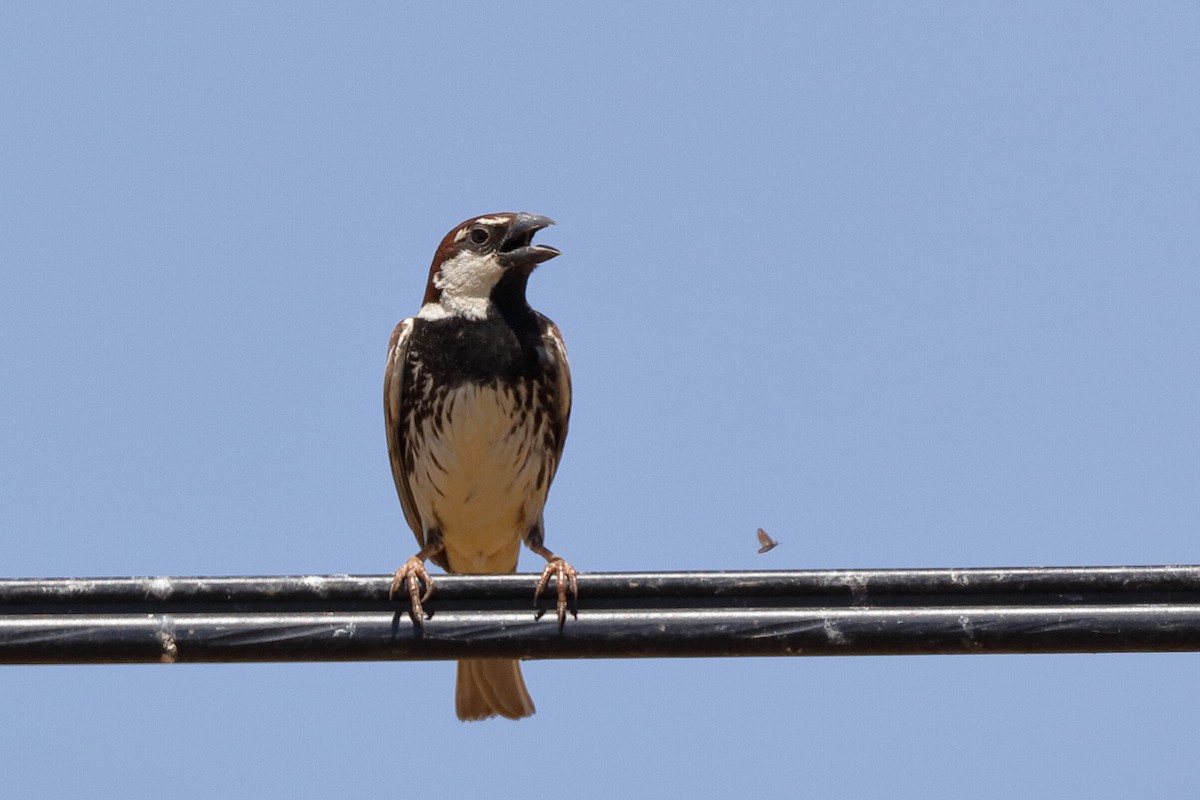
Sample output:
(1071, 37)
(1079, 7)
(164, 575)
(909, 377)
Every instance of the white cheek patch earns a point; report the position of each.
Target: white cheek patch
(465, 282)
(431, 311)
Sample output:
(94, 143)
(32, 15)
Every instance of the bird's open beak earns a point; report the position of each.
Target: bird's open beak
(518, 249)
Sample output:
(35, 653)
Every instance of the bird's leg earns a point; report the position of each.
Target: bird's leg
(411, 576)
(565, 579)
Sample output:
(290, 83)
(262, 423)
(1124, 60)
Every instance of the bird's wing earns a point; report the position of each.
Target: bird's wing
(557, 350)
(393, 393)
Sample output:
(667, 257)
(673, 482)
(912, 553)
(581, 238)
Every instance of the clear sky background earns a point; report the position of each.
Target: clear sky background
(908, 285)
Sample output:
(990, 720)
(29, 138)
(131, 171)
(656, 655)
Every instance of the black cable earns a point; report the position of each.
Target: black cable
(828, 612)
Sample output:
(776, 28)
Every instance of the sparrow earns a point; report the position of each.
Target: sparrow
(476, 397)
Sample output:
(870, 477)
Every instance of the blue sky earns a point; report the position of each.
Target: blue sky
(904, 284)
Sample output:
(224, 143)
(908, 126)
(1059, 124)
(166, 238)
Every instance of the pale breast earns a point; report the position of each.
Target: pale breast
(481, 471)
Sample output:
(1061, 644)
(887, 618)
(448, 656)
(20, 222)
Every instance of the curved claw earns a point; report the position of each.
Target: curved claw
(565, 579)
(411, 576)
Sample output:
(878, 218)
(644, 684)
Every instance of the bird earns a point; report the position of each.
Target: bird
(766, 541)
(477, 400)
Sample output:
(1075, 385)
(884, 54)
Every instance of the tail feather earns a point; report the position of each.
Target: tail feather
(491, 686)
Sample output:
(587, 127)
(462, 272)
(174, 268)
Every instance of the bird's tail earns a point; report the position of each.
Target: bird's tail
(491, 686)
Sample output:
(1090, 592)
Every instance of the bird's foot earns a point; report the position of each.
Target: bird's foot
(411, 576)
(565, 579)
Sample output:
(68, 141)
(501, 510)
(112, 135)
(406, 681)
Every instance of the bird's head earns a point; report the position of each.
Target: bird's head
(480, 258)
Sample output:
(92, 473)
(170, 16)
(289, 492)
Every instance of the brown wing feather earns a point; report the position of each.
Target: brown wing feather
(393, 391)
(557, 349)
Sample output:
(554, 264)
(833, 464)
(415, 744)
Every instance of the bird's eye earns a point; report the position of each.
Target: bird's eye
(479, 235)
